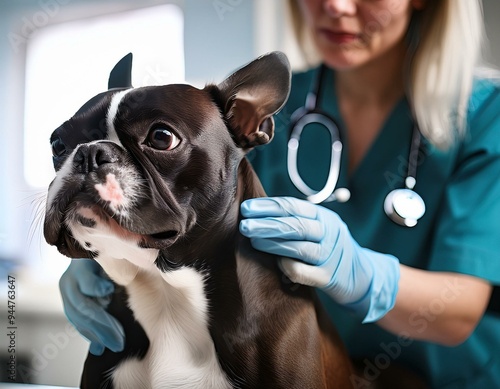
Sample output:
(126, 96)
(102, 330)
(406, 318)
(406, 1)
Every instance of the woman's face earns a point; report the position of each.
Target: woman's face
(352, 33)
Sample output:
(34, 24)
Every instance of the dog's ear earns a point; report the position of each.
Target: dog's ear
(252, 95)
(121, 75)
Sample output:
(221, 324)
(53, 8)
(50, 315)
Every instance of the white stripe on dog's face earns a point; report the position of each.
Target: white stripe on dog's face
(112, 112)
(58, 182)
(112, 136)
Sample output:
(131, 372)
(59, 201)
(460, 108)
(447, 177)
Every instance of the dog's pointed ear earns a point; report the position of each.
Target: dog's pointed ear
(121, 75)
(252, 95)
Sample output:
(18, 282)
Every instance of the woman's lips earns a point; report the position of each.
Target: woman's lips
(339, 37)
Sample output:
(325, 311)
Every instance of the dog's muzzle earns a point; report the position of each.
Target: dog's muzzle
(100, 184)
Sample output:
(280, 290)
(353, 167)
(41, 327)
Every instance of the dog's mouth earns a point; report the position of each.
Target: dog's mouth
(124, 228)
(88, 218)
(160, 240)
(165, 235)
(60, 226)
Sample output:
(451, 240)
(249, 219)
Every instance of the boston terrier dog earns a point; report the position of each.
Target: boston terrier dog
(154, 198)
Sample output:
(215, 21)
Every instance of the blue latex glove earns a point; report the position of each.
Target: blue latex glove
(85, 293)
(325, 255)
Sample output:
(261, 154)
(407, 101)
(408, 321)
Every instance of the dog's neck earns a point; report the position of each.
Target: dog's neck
(249, 185)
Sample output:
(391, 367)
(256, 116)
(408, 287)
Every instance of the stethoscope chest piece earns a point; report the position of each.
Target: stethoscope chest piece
(404, 207)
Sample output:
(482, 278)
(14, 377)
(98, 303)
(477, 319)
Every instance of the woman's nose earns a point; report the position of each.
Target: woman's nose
(337, 8)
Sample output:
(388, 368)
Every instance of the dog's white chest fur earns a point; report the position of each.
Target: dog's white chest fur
(172, 309)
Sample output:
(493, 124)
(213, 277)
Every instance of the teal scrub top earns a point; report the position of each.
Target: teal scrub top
(460, 231)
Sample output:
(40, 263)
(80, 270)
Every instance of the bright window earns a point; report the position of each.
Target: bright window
(67, 64)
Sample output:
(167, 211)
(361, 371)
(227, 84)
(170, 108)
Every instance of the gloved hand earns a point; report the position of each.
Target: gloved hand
(326, 256)
(85, 293)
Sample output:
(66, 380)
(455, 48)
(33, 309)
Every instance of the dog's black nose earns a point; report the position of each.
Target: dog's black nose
(89, 157)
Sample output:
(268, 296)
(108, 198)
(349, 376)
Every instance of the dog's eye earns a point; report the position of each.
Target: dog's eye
(162, 138)
(58, 147)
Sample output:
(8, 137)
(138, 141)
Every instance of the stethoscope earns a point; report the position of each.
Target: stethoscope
(403, 206)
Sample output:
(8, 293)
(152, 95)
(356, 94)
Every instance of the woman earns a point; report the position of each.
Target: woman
(414, 296)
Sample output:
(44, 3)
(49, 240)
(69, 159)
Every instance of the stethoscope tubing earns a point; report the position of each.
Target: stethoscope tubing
(324, 194)
(403, 206)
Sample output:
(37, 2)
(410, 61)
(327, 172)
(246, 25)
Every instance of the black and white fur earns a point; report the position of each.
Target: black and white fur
(154, 198)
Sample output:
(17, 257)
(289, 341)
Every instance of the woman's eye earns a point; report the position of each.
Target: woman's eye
(58, 148)
(162, 139)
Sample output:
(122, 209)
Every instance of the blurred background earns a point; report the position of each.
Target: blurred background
(54, 56)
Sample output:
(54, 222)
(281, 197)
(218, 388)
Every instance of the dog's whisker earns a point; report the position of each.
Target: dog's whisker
(32, 198)
(37, 217)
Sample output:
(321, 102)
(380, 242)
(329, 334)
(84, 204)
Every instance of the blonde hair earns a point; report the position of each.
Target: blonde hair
(445, 45)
